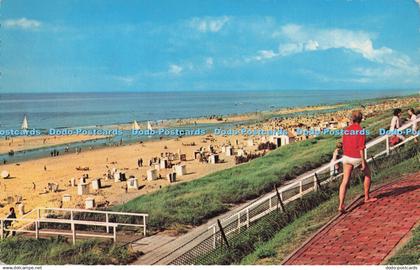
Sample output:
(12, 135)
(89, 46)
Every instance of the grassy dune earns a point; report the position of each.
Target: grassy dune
(193, 202)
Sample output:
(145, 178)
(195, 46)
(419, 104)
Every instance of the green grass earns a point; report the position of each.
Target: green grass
(57, 251)
(192, 203)
(293, 235)
(410, 252)
(263, 230)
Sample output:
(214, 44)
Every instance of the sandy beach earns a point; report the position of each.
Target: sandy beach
(30, 178)
(27, 142)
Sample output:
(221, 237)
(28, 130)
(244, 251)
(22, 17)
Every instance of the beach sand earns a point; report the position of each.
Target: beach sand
(31, 142)
(62, 168)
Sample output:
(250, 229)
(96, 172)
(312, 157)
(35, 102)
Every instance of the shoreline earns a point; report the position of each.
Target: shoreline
(180, 122)
(95, 142)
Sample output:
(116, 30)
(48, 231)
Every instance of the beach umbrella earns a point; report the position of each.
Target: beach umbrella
(5, 174)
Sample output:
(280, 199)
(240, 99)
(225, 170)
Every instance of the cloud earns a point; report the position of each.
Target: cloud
(208, 24)
(175, 69)
(296, 39)
(265, 54)
(22, 23)
(209, 62)
(418, 2)
(127, 80)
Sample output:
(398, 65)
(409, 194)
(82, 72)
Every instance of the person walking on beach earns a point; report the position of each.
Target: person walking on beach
(8, 223)
(353, 155)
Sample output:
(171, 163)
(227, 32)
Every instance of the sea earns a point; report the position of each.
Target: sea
(69, 110)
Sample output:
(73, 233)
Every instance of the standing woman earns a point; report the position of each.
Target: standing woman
(413, 117)
(354, 139)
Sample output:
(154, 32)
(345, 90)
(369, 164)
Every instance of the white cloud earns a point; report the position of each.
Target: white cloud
(265, 54)
(175, 69)
(298, 39)
(208, 24)
(128, 80)
(418, 2)
(209, 62)
(22, 23)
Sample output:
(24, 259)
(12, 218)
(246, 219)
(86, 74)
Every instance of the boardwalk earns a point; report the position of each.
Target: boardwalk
(368, 233)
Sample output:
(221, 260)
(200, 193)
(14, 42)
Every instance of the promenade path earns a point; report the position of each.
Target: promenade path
(369, 231)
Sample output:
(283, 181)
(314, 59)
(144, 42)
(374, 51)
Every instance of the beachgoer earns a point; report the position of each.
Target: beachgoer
(8, 223)
(353, 155)
(413, 117)
(396, 123)
(335, 167)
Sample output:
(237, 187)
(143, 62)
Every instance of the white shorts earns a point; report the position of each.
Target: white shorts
(352, 161)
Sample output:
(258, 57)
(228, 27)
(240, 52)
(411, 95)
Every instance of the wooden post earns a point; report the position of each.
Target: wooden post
(144, 225)
(280, 199)
(36, 230)
(269, 203)
(301, 188)
(2, 229)
(239, 221)
(222, 233)
(107, 221)
(115, 234)
(318, 183)
(214, 237)
(387, 145)
(247, 217)
(366, 156)
(39, 216)
(73, 229)
(315, 183)
(374, 162)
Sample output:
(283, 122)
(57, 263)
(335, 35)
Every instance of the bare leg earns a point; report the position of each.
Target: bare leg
(367, 182)
(347, 169)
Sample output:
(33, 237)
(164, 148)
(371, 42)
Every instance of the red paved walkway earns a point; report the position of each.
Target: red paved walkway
(367, 234)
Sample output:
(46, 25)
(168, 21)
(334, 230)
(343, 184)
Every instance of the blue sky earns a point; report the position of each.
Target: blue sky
(103, 45)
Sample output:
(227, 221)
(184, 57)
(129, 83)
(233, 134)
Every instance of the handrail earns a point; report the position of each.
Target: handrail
(40, 218)
(72, 223)
(299, 181)
(93, 211)
(77, 222)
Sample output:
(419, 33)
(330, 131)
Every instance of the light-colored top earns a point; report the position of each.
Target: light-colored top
(395, 123)
(414, 118)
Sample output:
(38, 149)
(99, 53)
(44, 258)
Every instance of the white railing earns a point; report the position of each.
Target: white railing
(31, 222)
(297, 189)
(38, 231)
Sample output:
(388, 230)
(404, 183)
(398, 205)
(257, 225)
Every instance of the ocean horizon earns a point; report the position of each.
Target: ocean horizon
(60, 110)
